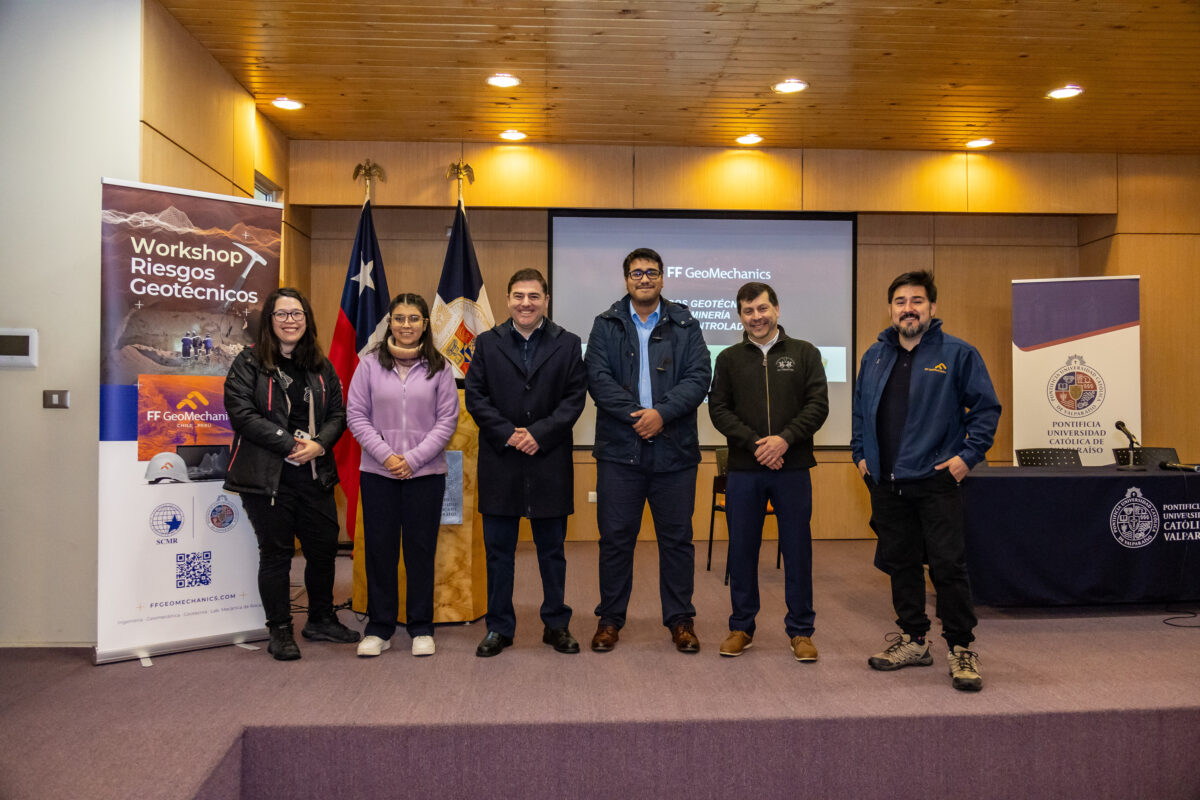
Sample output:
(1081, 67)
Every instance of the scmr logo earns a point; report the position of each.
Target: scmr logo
(1075, 390)
(1134, 520)
(166, 520)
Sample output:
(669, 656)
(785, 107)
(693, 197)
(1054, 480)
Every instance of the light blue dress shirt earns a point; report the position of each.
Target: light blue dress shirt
(645, 395)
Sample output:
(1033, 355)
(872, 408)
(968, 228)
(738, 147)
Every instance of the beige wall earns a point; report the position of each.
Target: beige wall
(69, 90)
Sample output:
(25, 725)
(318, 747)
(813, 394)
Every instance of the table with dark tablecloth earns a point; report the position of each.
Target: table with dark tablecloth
(1082, 536)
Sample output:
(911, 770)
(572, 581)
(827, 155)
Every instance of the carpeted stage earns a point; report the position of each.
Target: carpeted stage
(1077, 703)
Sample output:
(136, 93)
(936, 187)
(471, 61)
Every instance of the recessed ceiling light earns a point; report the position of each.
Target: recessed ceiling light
(285, 103)
(749, 138)
(1062, 93)
(503, 80)
(981, 143)
(512, 135)
(790, 86)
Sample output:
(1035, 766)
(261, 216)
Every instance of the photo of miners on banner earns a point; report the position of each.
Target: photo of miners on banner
(183, 277)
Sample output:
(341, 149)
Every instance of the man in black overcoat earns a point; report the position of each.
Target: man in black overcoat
(525, 388)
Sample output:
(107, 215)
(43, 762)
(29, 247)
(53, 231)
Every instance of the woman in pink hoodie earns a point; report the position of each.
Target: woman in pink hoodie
(402, 407)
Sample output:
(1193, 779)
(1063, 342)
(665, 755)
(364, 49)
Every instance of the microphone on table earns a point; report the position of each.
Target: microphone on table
(1180, 467)
(1133, 442)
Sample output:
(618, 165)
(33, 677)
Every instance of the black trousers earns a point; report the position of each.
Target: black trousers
(921, 522)
(623, 491)
(397, 512)
(500, 543)
(302, 510)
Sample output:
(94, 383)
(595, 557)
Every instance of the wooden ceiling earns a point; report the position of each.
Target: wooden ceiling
(883, 74)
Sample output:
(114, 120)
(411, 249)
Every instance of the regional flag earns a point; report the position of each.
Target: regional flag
(461, 310)
(362, 321)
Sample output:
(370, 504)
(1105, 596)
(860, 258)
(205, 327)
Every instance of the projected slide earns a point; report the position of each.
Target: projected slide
(808, 259)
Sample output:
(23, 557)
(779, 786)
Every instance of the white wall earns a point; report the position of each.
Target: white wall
(70, 94)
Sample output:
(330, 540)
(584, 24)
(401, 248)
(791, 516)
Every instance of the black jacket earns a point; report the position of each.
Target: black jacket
(782, 394)
(501, 396)
(258, 412)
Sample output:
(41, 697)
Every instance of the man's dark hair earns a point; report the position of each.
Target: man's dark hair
(750, 292)
(922, 278)
(528, 275)
(642, 253)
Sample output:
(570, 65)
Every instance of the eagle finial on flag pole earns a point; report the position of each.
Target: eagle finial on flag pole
(459, 170)
(370, 172)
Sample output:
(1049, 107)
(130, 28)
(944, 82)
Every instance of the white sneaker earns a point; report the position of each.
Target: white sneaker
(903, 652)
(964, 669)
(423, 646)
(373, 646)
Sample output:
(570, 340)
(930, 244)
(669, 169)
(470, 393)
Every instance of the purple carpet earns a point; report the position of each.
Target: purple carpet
(1078, 703)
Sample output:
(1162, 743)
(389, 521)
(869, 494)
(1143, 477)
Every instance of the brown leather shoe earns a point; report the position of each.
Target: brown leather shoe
(803, 649)
(683, 634)
(605, 638)
(736, 643)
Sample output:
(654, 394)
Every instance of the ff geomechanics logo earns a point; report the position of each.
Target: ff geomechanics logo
(1134, 520)
(166, 520)
(222, 514)
(1075, 390)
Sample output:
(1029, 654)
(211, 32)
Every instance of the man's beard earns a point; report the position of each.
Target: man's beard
(920, 327)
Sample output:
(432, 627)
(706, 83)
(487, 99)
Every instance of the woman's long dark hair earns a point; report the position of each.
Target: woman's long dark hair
(308, 355)
(434, 360)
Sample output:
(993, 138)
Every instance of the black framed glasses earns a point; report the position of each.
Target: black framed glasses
(295, 314)
(652, 274)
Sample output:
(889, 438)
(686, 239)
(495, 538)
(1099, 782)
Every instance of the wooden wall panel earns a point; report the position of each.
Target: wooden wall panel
(550, 176)
(270, 152)
(1041, 183)
(873, 180)
(192, 101)
(167, 164)
(894, 229)
(320, 173)
(295, 269)
(975, 304)
(1169, 266)
(878, 265)
(700, 178)
(1159, 194)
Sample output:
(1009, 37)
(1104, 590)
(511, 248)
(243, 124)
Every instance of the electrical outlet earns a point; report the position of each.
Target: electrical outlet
(591, 497)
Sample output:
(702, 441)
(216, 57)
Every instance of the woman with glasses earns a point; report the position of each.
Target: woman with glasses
(285, 406)
(402, 408)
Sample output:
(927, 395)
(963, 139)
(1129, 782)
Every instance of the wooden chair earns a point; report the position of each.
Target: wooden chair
(718, 504)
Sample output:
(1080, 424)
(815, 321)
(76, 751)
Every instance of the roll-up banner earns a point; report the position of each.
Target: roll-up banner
(183, 275)
(1076, 364)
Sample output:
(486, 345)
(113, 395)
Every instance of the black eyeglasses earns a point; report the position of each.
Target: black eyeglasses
(652, 274)
(296, 315)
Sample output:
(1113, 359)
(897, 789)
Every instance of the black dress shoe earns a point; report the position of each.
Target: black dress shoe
(492, 644)
(560, 639)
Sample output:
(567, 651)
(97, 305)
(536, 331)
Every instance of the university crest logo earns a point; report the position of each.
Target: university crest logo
(1134, 520)
(1075, 390)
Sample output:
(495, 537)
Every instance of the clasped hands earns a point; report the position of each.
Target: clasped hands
(523, 440)
(769, 451)
(397, 466)
(305, 450)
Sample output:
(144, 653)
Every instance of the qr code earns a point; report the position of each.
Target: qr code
(193, 569)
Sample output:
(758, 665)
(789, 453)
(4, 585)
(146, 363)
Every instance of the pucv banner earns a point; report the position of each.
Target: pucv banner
(183, 275)
(1076, 364)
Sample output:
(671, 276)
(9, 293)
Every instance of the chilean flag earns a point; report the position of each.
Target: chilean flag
(461, 310)
(362, 321)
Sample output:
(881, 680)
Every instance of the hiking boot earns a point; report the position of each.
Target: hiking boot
(904, 651)
(282, 644)
(964, 669)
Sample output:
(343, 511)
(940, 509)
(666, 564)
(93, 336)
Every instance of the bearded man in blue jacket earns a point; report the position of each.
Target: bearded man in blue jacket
(924, 414)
